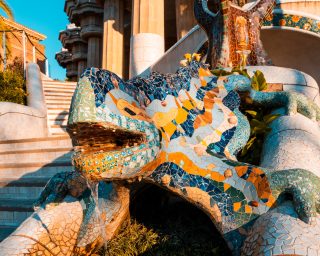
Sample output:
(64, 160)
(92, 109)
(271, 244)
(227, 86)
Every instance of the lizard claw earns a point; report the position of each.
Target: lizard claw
(59, 186)
(298, 103)
(303, 185)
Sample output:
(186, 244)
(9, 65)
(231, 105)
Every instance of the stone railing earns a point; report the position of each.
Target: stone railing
(21, 122)
(169, 62)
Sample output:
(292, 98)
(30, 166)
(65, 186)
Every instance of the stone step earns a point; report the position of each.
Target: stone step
(48, 155)
(34, 164)
(54, 90)
(57, 106)
(59, 97)
(58, 101)
(6, 230)
(20, 192)
(58, 126)
(59, 85)
(57, 118)
(14, 211)
(58, 94)
(34, 151)
(23, 188)
(34, 170)
(23, 182)
(16, 205)
(36, 143)
(58, 115)
(58, 82)
(58, 91)
(58, 111)
(58, 131)
(59, 122)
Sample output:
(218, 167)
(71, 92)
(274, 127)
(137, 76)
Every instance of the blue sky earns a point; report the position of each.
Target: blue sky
(48, 18)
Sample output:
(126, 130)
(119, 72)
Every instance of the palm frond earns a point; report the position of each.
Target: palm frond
(5, 7)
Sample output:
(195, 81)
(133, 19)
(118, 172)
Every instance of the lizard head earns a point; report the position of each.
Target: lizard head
(112, 135)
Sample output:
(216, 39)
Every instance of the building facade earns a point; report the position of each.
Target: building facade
(104, 31)
(127, 36)
(21, 43)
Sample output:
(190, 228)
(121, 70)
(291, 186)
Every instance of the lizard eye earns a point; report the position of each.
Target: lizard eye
(130, 112)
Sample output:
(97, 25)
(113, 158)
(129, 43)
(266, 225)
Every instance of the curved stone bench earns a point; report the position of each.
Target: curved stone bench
(294, 142)
(288, 79)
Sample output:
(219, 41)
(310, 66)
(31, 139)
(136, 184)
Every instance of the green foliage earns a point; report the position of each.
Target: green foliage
(12, 83)
(236, 70)
(258, 81)
(220, 72)
(259, 119)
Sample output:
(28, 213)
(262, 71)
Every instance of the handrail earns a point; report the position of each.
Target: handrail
(35, 98)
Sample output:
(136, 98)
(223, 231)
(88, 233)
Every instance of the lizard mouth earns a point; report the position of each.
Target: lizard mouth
(95, 137)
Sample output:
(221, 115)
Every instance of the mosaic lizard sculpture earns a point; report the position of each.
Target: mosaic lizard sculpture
(182, 132)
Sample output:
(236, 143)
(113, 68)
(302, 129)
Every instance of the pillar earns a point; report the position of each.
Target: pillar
(112, 57)
(82, 64)
(91, 32)
(94, 52)
(72, 71)
(184, 17)
(147, 41)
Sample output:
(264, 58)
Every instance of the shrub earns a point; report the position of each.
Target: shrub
(12, 83)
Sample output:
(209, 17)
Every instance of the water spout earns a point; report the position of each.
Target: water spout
(94, 188)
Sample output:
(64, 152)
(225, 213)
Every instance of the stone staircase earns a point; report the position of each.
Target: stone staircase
(26, 165)
(58, 97)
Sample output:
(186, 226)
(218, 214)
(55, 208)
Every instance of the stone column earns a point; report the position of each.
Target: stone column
(184, 17)
(72, 71)
(79, 56)
(112, 57)
(94, 52)
(147, 41)
(64, 58)
(88, 15)
(82, 64)
(91, 30)
(72, 41)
